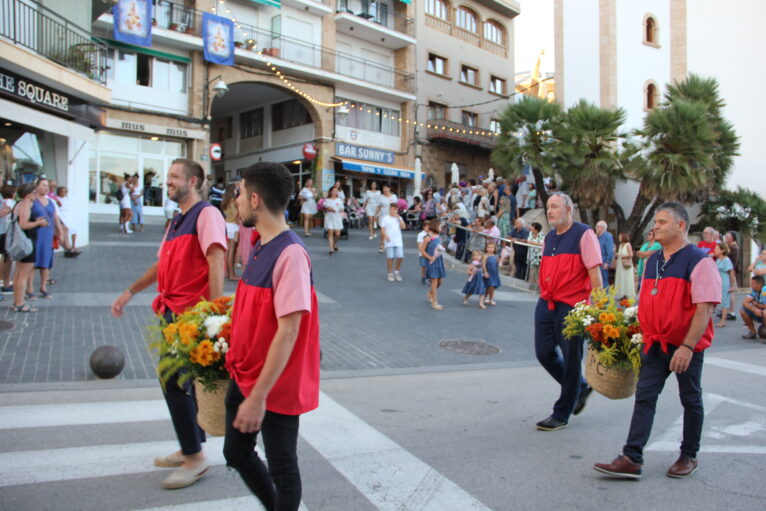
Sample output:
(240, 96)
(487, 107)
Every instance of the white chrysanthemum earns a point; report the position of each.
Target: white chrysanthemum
(637, 339)
(587, 320)
(213, 325)
(630, 312)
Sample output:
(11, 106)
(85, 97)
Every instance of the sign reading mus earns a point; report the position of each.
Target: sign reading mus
(32, 92)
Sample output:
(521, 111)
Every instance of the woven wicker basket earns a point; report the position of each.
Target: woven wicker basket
(211, 409)
(612, 383)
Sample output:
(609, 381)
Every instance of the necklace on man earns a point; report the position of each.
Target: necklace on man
(659, 271)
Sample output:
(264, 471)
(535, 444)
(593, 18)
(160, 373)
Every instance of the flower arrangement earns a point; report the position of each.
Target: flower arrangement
(611, 328)
(195, 344)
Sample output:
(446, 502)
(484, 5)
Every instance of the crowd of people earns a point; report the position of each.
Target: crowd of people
(43, 212)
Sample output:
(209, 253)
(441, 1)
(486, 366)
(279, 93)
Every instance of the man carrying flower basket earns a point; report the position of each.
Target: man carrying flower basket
(273, 356)
(680, 289)
(569, 270)
(190, 266)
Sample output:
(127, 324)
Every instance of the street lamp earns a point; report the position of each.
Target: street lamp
(220, 88)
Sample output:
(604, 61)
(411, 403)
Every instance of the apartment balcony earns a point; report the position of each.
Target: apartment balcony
(505, 7)
(472, 38)
(375, 22)
(450, 132)
(32, 26)
(315, 7)
(180, 27)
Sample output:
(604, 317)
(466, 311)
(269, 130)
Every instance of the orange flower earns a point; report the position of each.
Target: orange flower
(170, 332)
(595, 332)
(633, 330)
(204, 354)
(225, 331)
(611, 332)
(220, 304)
(188, 332)
(625, 302)
(606, 317)
(601, 303)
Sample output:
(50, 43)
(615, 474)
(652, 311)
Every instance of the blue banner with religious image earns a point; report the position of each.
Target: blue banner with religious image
(133, 22)
(218, 39)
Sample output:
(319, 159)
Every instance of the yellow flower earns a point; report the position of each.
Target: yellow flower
(188, 332)
(606, 317)
(204, 354)
(170, 332)
(611, 332)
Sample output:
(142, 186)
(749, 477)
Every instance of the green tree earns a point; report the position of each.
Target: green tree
(740, 210)
(527, 138)
(687, 149)
(589, 157)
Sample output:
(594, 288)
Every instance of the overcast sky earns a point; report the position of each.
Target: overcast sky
(534, 32)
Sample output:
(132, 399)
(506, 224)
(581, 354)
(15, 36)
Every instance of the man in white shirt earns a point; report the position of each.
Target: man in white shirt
(391, 233)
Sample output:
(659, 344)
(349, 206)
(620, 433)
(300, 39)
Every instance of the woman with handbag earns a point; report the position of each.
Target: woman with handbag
(624, 280)
(29, 223)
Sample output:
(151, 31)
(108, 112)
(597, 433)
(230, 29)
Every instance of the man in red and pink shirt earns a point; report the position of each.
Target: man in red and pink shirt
(273, 356)
(569, 270)
(680, 289)
(189, 267)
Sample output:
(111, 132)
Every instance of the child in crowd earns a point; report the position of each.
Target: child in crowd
(507, 253)
(477, 270)
(432, 251)
(391, 227)
(421, 250)
(492, 278)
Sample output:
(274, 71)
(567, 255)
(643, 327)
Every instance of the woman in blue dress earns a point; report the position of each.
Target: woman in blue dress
(728, 279)
(435, 269)
(474, 285)
(43, 207)
(491, 282)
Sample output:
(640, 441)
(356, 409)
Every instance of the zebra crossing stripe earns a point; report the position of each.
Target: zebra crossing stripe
(79, 414)
(217, 505)
(385, 473)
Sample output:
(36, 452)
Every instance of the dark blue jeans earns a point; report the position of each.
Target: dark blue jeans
(182, 404)
(278, 487)
(655, 369)
(566, 370)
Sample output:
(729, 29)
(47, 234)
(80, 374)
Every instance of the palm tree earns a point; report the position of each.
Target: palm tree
(526, 138)
(678, 164)
(588, 156)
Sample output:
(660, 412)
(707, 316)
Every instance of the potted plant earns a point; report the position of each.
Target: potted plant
(194, 347)
(238, 44)
(189, 30)
(154, 22)
(173, 26)
(613, 335)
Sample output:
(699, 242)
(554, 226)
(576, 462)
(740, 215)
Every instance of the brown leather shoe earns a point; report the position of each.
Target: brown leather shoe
(621, 468)
(683, 467)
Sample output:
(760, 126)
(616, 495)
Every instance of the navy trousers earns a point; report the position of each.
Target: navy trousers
(566, 366)
(655, 369)
(182, 404)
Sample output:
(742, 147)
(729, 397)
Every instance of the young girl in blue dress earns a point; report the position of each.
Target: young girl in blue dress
(432, 250)
(475, 283)
(492, 281)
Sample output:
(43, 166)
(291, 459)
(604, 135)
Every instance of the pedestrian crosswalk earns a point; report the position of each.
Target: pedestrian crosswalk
(365, 460)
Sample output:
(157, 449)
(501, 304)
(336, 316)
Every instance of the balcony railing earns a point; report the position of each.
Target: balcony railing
(380, 13)
(473, 38)
(173, 16)
(33, 26)
(461, 133)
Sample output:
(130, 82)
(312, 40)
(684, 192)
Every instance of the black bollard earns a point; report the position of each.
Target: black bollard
(107, 362)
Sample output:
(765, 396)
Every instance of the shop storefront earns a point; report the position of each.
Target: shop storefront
(358, 166)
(127, 148)
(45, 131)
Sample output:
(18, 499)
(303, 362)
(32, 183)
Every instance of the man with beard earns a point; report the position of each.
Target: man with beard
(570, 268)
(190, 266)
(273, 356)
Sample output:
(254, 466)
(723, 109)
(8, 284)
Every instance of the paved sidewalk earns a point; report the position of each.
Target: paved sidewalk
(367, 323)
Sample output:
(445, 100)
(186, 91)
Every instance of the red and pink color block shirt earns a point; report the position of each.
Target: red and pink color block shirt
(565, 264)
(277, 281)
(182, 272)
(689, 277)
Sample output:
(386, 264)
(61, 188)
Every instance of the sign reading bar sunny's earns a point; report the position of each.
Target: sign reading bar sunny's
(364, 153)
(218, 38)
(133, 22)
